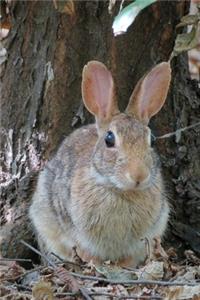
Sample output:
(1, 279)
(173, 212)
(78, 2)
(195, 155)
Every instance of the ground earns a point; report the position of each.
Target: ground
(163, 276)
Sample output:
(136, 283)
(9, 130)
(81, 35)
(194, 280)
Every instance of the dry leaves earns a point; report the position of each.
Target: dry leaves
(49, 283)
(42, 291)
(58, 282)
(10, 270)
(182, 292)
(190, 41)
(154, 270)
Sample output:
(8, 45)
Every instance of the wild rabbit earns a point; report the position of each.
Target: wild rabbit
(103, 192)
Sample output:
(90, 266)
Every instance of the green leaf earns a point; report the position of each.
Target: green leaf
(186, 41)
(127, 15)
(188, 20)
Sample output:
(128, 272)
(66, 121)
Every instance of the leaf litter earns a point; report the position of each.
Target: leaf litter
(163, 276)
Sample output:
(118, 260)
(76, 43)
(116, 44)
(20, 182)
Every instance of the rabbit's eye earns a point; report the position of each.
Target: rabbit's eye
(110, 139)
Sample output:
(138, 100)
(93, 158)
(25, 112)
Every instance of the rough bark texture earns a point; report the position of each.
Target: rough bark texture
(41, 101)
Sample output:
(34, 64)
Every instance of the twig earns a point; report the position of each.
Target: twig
(133, 282)
(22, 287)
(178, 131)
(66, 261)
(39, 253)
(85, 294)
(71, 294)
(112, 296)
(62, 273)
(16, 259)
(125, 297)
(76, 257)
(102, 279)
(58, 257)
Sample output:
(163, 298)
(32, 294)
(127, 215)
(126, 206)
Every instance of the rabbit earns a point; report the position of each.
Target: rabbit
(103, 191)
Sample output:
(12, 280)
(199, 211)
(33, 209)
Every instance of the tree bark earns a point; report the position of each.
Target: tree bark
(41, 101)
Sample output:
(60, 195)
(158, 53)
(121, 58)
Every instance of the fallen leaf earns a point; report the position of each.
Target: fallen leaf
(154, 270)
(158, 251)
(191, 274)
(42, 291)
(181, 292)
(172, 293)
(115, 273)
(10, 293)
(10, 270)
(65, 277)
(191, 257)
(30, 278)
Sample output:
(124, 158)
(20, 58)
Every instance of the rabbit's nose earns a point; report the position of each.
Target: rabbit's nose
(141, 177)
(139, 173)
(142, 180)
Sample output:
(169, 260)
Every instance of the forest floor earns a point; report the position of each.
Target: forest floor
(164, 276)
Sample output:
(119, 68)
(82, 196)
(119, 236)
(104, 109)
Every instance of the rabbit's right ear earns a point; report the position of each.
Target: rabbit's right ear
(150, 93)
(98, 91)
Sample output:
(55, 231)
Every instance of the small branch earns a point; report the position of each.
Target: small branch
(62, 273)
(76, 257)
(133, 282)
(102, 279)
(178, 131)
(110, 295)
(85, 293)
(58, 257)
(66, 261)
(125, 297)
(16, 259)
(22, 287)
(52, 264)
(66, 294)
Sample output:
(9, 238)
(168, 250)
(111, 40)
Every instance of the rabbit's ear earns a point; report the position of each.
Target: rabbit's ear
(150, 93)
(98, 91)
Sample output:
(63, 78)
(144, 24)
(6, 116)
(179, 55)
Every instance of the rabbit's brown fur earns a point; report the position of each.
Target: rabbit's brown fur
(104, 200)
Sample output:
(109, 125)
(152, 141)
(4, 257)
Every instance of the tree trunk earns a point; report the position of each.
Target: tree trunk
(41, 100)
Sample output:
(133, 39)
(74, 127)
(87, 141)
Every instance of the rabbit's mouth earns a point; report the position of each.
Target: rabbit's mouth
(122, 182)
(126, 183)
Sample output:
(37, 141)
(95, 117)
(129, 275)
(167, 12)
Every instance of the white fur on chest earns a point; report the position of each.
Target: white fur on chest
(109, 227)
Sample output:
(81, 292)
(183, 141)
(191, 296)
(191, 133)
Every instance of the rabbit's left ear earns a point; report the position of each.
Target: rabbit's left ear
(150, 93)
(98, 91)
